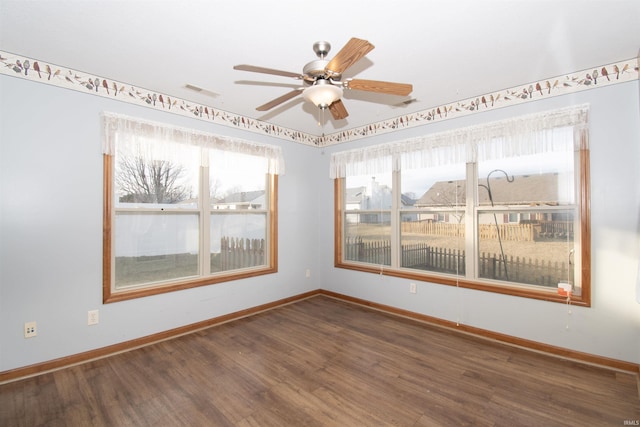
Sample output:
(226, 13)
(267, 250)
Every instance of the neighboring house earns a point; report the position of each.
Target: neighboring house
(356, 198)
(408, 202)
(242, 200)
(372, 197)
(524, 191)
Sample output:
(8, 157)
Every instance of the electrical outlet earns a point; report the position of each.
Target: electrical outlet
(30, 330)
(92, 317)
(307, 273)
(413, 288)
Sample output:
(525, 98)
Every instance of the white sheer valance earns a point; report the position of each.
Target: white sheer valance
(118, 129)
(530, 134)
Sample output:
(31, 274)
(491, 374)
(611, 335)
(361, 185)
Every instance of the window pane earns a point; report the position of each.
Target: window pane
(367, 233)
(536, 180)
(432, 213)
(154, 247)
(369, 192)
(147, 175)
(368, 238)
(524, 244)
(534, 251)
(238, 241)
(237, 181)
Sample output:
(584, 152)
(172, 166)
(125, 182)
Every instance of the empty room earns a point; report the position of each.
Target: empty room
(248, 213)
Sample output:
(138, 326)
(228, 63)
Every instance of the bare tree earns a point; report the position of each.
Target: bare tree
(151, 181)
(451, 195)
(215, 189)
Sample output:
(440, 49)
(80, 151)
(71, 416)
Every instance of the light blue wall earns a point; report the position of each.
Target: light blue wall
(611, 327)
(51, 230)
(51, 234)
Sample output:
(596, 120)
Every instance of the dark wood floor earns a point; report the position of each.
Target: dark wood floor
(324, 362)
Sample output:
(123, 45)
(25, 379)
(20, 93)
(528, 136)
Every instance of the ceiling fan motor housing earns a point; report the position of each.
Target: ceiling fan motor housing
(315, 70)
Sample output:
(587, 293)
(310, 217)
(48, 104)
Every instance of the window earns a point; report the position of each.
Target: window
(368, 219)
(502, 207)
(184, 208)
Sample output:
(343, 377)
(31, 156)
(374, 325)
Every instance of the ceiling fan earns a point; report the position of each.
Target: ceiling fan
(321, 78)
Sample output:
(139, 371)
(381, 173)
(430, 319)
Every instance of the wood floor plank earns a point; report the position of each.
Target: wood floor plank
(324, 362)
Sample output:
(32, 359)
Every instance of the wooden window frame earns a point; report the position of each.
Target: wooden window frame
(110, 295)
(584, 208)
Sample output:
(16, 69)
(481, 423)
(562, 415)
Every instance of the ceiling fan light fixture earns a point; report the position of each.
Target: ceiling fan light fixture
(322, 93)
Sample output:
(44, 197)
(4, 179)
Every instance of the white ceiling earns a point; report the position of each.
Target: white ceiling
(449, 50)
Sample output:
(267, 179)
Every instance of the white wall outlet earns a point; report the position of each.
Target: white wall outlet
(413, 288)
(30, 330)
(307, 273)
(92, 317)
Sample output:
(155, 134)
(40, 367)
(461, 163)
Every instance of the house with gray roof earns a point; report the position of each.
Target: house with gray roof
(444, 198)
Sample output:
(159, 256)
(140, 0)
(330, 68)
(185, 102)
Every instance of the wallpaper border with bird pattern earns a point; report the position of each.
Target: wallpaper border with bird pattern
(594, 77)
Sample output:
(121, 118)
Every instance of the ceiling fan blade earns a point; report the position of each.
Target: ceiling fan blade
(338, 110)
(350, 53)
(287, 96)
(254, 69)
(292, 85)
(402, 89)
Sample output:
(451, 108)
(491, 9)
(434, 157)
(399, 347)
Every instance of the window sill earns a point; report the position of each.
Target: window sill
(550, 294)
(155, 289)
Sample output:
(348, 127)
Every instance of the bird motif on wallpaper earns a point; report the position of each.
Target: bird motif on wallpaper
(542, 88)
